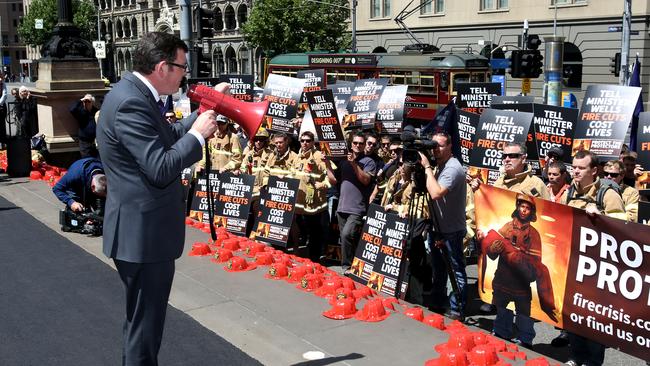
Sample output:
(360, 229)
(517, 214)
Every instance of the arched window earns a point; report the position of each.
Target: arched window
(259, 64)
(127, 28)
(572, 66)
(217, 61)
(118, 3)
(379, 49)
(134, 27)
(102, 30)
(118, 26)
(242, 14)
(218, 20)
(128, 61)
(231, 61)
(120, 61)
(110, 29)
(231, 23)
(244, 60)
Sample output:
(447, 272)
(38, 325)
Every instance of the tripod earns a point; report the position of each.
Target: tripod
(419, 196)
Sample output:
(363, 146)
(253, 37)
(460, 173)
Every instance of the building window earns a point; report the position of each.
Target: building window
(568, 2)
(494, 4)
(379, 8)
(13, 7)
(432, 6)
(15, 22)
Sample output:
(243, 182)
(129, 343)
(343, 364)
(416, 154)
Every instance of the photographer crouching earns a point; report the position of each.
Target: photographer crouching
(83, 190)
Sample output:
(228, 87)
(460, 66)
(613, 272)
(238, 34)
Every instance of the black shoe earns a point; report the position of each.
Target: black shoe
(561, 340)
(487, 308)
(520, 343)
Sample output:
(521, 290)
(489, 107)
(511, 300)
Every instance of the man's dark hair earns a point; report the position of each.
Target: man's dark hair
(593, 158)
(359, 134)
(154, 47)
(308, 134)
(522, 147)
(281, 135)
(558, 165)
(370, 134)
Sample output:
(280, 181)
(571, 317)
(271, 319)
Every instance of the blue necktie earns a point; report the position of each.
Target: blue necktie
(162, 107)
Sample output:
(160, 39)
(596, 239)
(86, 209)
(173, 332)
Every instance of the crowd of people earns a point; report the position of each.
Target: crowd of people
(430, 188)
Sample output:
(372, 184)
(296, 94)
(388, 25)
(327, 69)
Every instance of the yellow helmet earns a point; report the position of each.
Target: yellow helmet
(262, 132)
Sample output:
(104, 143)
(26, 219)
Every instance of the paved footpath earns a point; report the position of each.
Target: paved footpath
(62, 304)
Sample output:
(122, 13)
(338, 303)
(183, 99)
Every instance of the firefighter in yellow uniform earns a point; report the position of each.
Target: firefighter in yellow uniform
(256, 155)
(311, 204)
(225, 149)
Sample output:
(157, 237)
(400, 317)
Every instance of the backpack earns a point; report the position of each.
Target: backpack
(605, 184)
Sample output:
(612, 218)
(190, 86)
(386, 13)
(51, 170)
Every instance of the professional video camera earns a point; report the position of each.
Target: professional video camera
(413, 144)
(90, 222)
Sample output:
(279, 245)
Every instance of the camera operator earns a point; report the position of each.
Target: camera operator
(82, 185)
(446, 186)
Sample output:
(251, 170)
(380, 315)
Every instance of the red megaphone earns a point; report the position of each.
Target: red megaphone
(248, 115)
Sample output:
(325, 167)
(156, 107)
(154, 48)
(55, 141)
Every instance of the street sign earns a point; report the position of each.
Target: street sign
(525, 85)
(618, 28)
(38, 24)
(25, 61)
(499, 63)
(100, 49)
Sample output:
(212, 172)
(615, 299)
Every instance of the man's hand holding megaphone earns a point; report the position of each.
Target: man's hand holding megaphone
(206, 122)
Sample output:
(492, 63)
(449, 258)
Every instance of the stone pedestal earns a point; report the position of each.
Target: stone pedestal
(61, 83)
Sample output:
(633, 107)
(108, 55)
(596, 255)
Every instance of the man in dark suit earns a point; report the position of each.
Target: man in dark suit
(143, 156)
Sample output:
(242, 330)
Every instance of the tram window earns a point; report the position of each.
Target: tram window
(289, 73)
(427, 85)
(478, 77)
(457, 79)
(331, 77)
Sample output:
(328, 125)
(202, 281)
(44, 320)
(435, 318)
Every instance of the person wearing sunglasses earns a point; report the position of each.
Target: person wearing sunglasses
(311, 203)
(255, 156)
(371, 148)
(615, 170)
(384, 148)
(356, 178)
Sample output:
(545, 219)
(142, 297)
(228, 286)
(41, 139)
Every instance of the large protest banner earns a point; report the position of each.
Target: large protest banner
(476, 97)
(390, 112)
(466, 123)
(554, 127)
(363, 103)
(277, 205)
(234, 202)
(604, 118)
(326, 122)
(379, 254)
(199, 205)
(643, 151)
(583, 274)
(241, 86)
(283, 94)
(495, 129)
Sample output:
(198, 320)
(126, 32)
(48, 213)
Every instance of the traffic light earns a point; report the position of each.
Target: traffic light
(615, 64)
(515, 64)
(536, 67)
(203, 65)
(533, 42)
(205, 23)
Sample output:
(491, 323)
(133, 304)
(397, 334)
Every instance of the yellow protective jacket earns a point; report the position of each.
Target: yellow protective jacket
(254, 163)
(400, 197)
(225, 152)
(279, 166)
(310, 169)
(613, 205)
(524, 182)
(630, 197)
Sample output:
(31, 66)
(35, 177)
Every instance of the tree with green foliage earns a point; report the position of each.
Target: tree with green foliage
(84, 17)
(281, 26)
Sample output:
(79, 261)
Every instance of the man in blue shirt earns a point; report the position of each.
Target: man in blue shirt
(82, 185)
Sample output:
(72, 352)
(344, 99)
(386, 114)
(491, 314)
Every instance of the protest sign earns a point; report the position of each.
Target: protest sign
(467, 123)
(277, 205)
(476, 97)
(283, 94)
(513, 99)
(326, 122)
(554, 128)
(186, 182)
(234, 202)
(241, 86)
(644, 212)
(199, 206)
(390, 112)
(531, 141)
(585, 274)
(604, 118)
(314, 80)
(342, 91)
(362, 107)
(386, 271)
(374, 228)
(495, 129)
(643, 141)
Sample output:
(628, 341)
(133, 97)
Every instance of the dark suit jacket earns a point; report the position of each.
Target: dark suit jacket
(143, 157)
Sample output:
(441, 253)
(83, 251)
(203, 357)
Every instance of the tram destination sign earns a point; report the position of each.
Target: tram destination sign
(343, 60)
